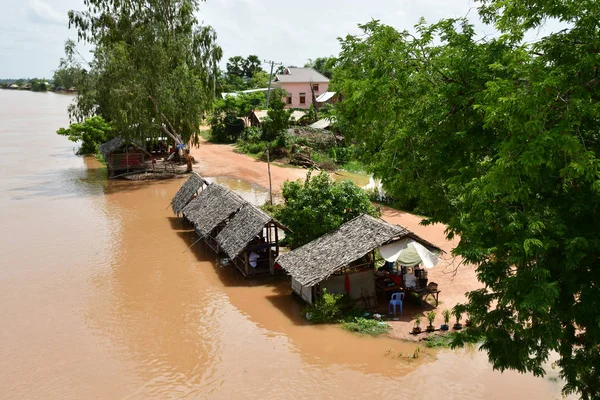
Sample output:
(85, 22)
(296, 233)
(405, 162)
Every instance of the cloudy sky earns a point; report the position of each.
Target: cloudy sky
(32, 32)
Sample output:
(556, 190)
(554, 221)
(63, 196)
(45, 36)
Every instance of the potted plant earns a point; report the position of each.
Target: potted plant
(417, 327)
(457, 313)
(446, 315)
(430, 318)
(468, 322)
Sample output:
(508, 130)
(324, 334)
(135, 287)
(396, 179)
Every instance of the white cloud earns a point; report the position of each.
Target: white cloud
(32, 33)
(41, 12)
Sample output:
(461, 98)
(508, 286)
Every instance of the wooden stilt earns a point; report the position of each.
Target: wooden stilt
(271, 266)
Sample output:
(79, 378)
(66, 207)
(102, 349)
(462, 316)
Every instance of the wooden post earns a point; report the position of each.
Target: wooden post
(271, 266)
(246, 261)
(276, 241)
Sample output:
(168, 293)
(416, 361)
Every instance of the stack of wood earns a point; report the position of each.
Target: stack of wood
(303, 160)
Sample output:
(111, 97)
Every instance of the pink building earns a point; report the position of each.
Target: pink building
(300, 84)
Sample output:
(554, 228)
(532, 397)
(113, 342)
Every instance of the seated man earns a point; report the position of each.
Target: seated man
(253, 259)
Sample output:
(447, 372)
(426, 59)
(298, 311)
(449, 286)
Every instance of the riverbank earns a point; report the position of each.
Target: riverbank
(453, 278)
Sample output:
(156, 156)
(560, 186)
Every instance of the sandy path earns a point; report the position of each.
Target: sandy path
(222, 160)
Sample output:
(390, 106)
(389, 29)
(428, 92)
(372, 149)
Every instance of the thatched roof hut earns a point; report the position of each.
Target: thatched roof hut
(186, 192)
(111, 146)
(212, 207)
(319, 259)
(247, 223)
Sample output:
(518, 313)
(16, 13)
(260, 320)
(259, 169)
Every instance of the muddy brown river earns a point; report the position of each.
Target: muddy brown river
(100, 299)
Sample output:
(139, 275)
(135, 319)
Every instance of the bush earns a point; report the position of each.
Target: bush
(342, 155)
(91, 133)
(319, 205)
(367, 326)
(328, 308)
(254, 148)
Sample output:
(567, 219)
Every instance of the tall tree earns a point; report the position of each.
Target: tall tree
(499, 141)
(324, 65)
(154, 66)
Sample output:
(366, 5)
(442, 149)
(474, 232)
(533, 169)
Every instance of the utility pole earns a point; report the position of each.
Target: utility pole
(273, 63)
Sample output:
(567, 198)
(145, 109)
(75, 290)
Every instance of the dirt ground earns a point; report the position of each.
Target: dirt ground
(454, 279)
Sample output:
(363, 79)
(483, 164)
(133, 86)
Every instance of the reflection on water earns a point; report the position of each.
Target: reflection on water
(101, 299)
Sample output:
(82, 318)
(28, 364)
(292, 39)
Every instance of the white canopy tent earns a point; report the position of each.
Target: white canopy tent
(409, 253)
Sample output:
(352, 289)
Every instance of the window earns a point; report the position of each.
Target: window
(302, 98)
(315, 87)
(289, 99)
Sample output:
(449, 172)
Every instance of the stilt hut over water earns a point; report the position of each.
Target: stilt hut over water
(343, 261)
(122, 157)
(210, 211)
(187, 192)
(251, 241)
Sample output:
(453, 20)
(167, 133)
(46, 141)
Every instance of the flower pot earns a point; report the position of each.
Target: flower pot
(430, 328)
(416, 330)
(457, 327)
(444, 327)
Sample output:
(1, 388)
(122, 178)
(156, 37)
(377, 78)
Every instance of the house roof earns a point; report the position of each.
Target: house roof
(223, 95)
(245, 225)
(211, 207)
(260, 114)
(297, 114)
(111, 146)
(301, 75)
(319, 259)
(186, 192)
(322, 123)
(323, 97)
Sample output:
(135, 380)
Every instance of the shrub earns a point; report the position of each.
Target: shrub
(319, 205)
(367, 326)
(91, 133)
(328, 308)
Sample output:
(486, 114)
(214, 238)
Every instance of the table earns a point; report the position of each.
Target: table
(435, 294)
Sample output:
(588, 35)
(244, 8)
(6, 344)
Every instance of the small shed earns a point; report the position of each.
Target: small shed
(251, 231)
(122, 157)
(187, 192)
(343, 261)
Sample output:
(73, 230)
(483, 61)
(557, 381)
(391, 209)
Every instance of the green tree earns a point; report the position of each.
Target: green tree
(319, 205)
(324, 65)
(498, 140)
(90, 133)
(277, 121)
(154, 67)
(69, 72)
(227, 122)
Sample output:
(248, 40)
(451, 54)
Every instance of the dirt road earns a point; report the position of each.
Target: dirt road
(454, 279)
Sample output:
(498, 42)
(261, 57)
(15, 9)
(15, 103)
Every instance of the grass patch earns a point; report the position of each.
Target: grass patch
(440, 341)
(354, 166)
(205, 134)
(366, 326)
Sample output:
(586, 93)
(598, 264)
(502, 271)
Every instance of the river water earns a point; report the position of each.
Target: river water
(100, 299)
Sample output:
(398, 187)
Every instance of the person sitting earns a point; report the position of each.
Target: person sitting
(253, 259)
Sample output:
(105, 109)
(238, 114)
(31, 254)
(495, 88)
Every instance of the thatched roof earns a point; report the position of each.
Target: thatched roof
(246, 224)
(317, 260)
(111, 146)
(212, 206)
(186, 192)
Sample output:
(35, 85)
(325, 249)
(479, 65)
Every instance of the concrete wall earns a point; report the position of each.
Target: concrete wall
(294, 89)
(361, 284)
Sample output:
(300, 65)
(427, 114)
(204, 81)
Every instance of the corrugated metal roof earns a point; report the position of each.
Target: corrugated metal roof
(325, 96)
(321, 124)
(301, 75)
(297, 114)
(223, 95)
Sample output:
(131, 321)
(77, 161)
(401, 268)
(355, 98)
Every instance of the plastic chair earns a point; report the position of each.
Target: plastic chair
(397, 299)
